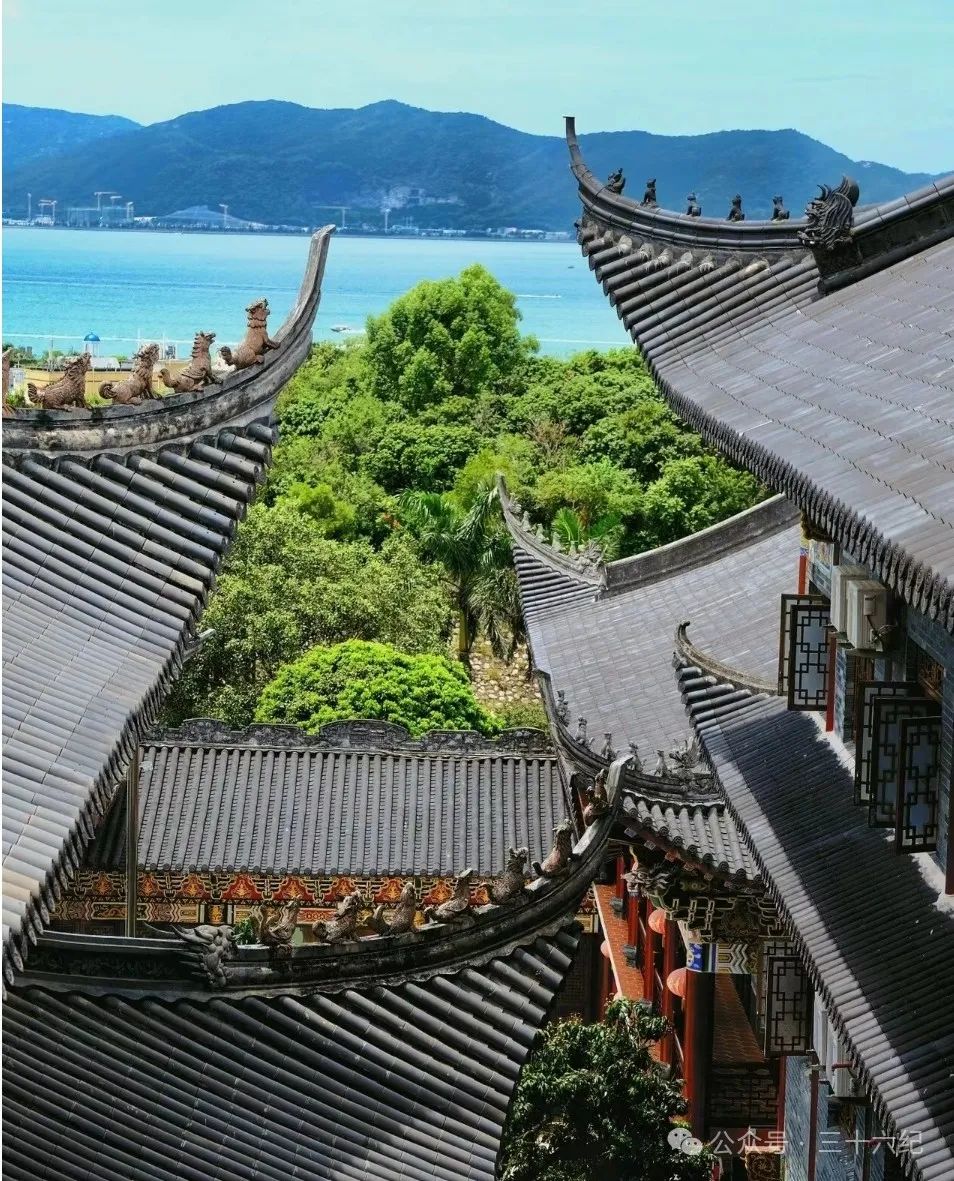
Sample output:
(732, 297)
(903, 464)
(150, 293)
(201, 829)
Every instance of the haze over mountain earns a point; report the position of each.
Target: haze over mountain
(30, 133)
(278, 162)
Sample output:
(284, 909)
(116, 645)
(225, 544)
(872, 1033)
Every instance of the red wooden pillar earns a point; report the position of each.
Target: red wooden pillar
(620, 884)
(700, 1008)
(667, 1001)
(649, 955)
(631, 903)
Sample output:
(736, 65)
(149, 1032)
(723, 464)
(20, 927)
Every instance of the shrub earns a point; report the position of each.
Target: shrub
(359, 680)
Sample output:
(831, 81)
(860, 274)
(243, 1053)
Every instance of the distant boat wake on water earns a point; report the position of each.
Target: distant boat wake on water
(59, 285)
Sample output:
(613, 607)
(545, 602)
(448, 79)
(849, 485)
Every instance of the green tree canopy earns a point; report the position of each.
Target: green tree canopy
(450, 338)
(592, 1105)
(287, 587)
(360, 680)
(692, 494)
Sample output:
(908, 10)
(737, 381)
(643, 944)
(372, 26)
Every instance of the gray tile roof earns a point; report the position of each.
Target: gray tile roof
(704, 832)
(612, 655)
(398, 1084)
(269, 798)
(878, 945)
(844, 403)
(115, 523)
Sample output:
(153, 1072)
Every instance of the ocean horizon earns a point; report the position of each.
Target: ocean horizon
(61, 284)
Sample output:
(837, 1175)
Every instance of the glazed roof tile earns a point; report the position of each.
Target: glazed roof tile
(273, 799)
(878, 942)
(610, 652)
(835, 387)
(706, 832)
(115, 524)
(400, 1083)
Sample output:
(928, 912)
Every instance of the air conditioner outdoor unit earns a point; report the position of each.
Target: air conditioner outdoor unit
(867, 610)
(841, 578)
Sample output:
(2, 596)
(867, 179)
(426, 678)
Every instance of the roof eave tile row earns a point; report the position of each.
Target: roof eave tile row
(881, 959)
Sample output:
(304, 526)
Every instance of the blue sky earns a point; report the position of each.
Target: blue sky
(872, 78)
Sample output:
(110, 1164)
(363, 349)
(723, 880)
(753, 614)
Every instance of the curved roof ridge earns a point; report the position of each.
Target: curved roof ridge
(579, 569)
(179, 418)
(354, 735)
(667, 225)
(724, 674)
(698, 549)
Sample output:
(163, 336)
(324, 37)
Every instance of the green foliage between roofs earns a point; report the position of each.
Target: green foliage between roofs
(379, 519)
(593, 1105)
(288, 587)
(367, 680)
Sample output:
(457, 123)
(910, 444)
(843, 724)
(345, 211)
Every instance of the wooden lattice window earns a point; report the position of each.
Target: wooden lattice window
(916, 817)
(869, 693)
(803, 652)
(885, 773)
(788, 1004)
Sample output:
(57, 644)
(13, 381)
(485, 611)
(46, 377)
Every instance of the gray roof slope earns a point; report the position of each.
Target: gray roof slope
(272, 799)
(398, 1084)
(114, 526)
(612, 656)
(878, 947)
(845, 403)
(704, 831)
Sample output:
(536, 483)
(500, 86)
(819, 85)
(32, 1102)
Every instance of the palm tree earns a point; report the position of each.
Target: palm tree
(605, 532)
(474, 549)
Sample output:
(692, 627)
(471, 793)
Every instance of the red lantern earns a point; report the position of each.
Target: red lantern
(676, 982)
(605, 949)
(657, 921)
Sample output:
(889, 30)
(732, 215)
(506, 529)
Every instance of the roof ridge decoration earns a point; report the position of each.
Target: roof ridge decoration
(115, 524)
(586, 566)
(680, 778)
(689, 230)
(829, 217)
(354, 735)
(241, 398)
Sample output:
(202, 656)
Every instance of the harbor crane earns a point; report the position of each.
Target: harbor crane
(344, 210)
(49, 203)
(225, 216)
(99, 195)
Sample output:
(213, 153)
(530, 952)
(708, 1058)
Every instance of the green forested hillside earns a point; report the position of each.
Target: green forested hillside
(278, 162)
(30, 133)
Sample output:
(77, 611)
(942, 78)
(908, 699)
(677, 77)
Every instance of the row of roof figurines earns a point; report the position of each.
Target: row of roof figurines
(69, 391)
(274, 928)
(829, 215)
(616, 182)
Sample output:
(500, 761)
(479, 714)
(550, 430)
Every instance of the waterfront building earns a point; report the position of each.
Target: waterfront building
(171, 1050)
(785, 870)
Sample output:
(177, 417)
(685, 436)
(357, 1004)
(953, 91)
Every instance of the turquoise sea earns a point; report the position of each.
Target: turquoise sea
(59, 285)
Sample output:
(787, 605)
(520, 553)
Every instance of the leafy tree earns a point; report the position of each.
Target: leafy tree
(415, 455)
(474, 549)
(450, 338)
(287, 587)
(362, 680)
(591, 490)
(691, 494)
(642, 438)
(592, 1105)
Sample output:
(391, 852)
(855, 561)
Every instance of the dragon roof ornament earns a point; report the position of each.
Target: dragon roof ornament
(830, 216)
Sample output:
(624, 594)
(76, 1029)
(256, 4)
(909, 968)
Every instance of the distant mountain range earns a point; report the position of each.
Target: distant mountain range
(278, 162)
